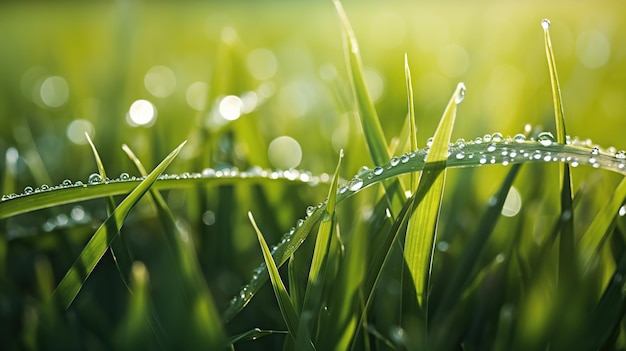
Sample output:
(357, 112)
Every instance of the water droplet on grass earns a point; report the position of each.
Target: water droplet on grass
(94, 178)
(310, 210)
(28, 190)
(491, 147)
(355, 184)
(519, 138)
(460, 155)
(545, 23)
(545, 138)
(461, 95)
(496, 137)
(622, 211)
(404, 158)
(595, 150)
(394, 161)
(378, 170)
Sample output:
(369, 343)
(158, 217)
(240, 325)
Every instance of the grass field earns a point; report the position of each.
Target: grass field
(524, 258)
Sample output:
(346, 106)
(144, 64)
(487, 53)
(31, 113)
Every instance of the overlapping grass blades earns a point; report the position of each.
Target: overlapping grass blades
(290, 316)
(567, 265)
(72, 282)
(419, 242)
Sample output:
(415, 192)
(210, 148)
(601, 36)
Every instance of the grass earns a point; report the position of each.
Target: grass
(439, 247)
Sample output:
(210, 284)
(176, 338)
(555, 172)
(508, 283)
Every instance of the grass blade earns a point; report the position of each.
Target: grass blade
(284, 302)
(71, 284)
(119, 249)
(372, 130)
(419, 244)
(567, 261)
(317, 272)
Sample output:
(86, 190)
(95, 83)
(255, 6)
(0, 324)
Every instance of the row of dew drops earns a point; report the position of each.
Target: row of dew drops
(494, 148)
(208, 173)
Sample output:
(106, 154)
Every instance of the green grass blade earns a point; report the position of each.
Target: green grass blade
(71, 284)
(419, 244)
(369, 118)
(119, 249)
(186, 265)
(600, 227)
(372, 130)
(317, 272)
(567, 260)
(253, 334)
(284, 302)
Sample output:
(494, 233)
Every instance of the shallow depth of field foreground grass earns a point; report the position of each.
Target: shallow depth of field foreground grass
(263, 176)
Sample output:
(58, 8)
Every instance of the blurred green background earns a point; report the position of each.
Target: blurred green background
(237, 78)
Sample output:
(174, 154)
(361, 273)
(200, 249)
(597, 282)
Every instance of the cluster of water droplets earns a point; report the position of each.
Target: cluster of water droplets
(492, 148)
(224, 172)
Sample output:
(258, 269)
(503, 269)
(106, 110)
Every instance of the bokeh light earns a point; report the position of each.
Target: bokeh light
(196, 95)
(512, 203)
(54, 91)
(284, 152)
(231, 107)
(141, 113)
(262, 64)
(160, 81)
(593, 49)
(76, 131)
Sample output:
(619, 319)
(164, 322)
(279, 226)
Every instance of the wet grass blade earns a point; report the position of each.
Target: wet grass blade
(419, 243)
(284, 302)
(73, 280)
(567, 260)
(253, 334)
(119, 249)
(186, 265)
(317, 272)
(372, 130)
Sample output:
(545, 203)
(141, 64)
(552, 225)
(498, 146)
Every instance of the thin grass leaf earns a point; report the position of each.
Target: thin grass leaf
(119, 248)
(567, 260)
(73, 280)
(372, 130)
(186, 265)
(317, 272)
(419, 243)
(600, 228)
(253, 334)
(284, 302)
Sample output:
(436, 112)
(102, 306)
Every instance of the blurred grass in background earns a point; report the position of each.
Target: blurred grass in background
(265, 84)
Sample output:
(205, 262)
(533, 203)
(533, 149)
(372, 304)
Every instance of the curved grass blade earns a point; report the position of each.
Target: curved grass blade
(253, 334)
(567, 260)
(372, 130)
(119, 249)
(284, 302)
(186, 265)
(71, 284)
(317, 272)
(419, 243)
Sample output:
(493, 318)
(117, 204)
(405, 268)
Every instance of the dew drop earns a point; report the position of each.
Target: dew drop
(496, 137)
(519, 138)
(404, 158)
(342, 189)
(94, 178)
(622, 211)
(5, 197)
(545, 138)
(487, 138)
(378, 171)
(429, 142)
(461, 93)
(310, 210)
(124, 177)
(621, 155)
(491, 147)
(66, 183)
(478, 140)
(460, 143)
(44, 187)
(394, 161)
(545, 23)
(483, 160)
(595, 150)
(460, 155)
(355, 184)
(28, 190)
